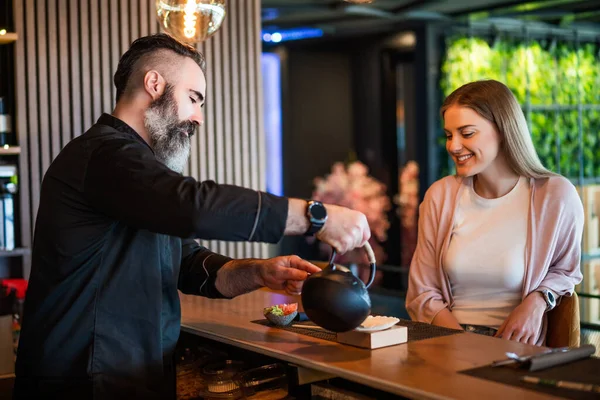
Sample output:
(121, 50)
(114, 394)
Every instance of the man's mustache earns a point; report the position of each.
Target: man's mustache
(188, 127)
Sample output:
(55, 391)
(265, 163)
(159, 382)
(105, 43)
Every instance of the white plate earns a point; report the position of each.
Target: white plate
(379, 323)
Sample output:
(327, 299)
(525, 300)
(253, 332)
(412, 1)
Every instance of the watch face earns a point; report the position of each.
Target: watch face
(317, 211)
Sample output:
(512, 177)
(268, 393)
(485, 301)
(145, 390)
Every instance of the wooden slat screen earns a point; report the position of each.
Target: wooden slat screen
(66, 56)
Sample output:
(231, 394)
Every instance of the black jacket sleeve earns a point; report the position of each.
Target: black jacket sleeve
(198, 272)
(125, 181)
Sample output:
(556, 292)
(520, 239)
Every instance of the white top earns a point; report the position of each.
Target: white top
(485, 261)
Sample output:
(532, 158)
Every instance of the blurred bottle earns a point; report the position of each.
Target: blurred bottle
(17, 288)
(7, 343)
(8, 188)
(5, 123)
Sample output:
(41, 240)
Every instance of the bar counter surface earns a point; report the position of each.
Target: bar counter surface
(424, 369)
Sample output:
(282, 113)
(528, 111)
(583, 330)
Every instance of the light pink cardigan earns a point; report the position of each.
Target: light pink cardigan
(553, 248)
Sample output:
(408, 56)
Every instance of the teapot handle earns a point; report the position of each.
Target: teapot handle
(372, 262)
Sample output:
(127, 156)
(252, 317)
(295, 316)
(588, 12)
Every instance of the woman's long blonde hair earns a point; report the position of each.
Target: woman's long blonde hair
(496, 103)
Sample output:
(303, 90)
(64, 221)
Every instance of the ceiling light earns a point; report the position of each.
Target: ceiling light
(191, 21)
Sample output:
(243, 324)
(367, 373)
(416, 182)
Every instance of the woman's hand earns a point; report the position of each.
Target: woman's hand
(525, 322)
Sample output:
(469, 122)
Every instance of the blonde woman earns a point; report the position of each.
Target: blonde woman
(499, 243)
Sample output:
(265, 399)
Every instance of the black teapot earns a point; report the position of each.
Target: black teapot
(335, 299)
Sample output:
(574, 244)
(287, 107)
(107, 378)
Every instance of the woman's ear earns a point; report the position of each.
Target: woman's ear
(154, 84)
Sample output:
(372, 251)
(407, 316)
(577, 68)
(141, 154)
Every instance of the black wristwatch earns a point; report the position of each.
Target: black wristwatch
(317, 215)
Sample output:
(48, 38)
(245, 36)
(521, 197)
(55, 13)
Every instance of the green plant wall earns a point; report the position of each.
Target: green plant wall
(557, 85)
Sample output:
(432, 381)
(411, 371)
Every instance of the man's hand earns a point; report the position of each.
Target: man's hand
(285, 273)
(280, 273)
(345, 229)
(525, 322)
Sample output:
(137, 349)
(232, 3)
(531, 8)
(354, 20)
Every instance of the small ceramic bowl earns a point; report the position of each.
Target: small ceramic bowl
(281, 320)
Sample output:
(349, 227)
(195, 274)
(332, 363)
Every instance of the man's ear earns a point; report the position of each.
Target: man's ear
(154, 84)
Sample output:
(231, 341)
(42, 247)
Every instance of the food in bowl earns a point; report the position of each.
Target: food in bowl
(281, 314)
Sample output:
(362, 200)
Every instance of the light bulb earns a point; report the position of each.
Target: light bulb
(190, 21)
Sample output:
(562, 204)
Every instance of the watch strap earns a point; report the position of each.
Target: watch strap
(313, 228)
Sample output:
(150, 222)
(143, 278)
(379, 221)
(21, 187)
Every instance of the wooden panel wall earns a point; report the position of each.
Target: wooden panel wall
(67, 53)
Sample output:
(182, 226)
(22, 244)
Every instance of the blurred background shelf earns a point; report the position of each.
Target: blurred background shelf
(20, 251)
(13, 150)
(590, 256)
(8, 37)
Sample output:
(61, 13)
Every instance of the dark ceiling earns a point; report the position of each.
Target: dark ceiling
(341, 16)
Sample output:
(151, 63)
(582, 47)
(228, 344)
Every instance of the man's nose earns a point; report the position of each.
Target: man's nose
(198, 117)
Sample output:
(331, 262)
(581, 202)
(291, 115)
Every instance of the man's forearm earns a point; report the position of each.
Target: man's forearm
(297, 222)
(238, 277)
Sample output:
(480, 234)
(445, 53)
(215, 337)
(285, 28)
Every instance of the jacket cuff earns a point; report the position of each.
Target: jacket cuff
(211, 265)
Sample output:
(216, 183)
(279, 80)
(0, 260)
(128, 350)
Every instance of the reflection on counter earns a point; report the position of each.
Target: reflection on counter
(204, 372)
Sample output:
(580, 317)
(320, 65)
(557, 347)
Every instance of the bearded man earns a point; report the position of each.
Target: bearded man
(114, 239)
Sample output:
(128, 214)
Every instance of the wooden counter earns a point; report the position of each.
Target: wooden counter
(425, 369)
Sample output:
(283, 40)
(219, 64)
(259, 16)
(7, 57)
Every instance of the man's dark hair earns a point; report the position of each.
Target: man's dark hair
(148, 45)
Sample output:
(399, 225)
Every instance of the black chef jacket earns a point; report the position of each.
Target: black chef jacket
(113, 243)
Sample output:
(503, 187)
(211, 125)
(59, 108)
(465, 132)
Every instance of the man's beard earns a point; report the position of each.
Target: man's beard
(170, 142)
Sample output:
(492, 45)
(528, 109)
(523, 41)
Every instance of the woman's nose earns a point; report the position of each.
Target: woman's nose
(455, 144)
